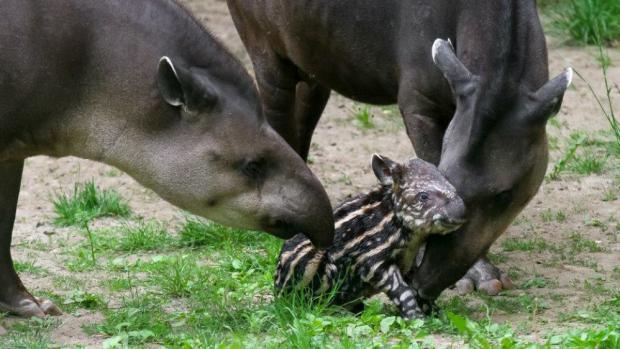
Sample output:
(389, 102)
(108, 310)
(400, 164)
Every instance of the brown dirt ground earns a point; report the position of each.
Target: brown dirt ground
(340, 157)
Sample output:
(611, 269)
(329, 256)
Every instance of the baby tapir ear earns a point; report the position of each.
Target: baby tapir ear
(385, 169)
(169, 83)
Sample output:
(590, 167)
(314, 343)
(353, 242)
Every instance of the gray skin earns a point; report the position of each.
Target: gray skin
(479, 113)
(140, 85)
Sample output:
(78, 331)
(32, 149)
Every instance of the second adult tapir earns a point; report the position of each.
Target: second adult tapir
(478, 111)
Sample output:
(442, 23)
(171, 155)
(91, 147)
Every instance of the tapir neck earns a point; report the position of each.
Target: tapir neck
(93, 93)
(499, 42)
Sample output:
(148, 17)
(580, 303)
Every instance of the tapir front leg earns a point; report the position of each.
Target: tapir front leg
(310, 101)
(391, 282)
(484, 277)
(277, 81)
(424, 122)
(14, 298)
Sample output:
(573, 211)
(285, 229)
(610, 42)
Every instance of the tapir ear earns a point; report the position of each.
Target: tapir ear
(385, 169)
(462, 81)
(547, 101)
(169, 83)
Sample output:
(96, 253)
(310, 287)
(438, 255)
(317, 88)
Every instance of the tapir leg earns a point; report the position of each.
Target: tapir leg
(277, 80)
(423, 122)
(310, 102)
(14, 297)
(426, 135)
(485, 277)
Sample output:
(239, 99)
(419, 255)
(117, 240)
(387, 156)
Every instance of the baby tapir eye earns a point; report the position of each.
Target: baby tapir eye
(422, 196)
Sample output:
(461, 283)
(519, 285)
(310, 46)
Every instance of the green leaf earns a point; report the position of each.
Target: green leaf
(387, 323)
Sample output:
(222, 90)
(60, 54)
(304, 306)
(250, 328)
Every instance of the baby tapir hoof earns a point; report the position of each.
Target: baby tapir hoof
(412, 314)
(486, 278)
(421, 309)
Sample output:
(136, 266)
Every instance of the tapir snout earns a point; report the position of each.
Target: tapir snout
(292, 198)
(302, 213)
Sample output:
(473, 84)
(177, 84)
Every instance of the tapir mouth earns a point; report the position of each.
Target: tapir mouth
(280, 229)
(446, 226)
(286, 230)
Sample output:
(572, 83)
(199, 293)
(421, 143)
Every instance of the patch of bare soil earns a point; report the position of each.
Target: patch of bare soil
(340, 155)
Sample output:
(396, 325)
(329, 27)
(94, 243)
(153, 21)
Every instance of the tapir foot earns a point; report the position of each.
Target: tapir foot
(484, 277)
(28, 306)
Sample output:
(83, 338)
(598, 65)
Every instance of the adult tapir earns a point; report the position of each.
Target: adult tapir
(141, 85)
(478, 110)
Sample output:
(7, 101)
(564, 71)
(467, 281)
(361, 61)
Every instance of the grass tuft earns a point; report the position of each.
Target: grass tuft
(576, 141)
(29, 334)
(364, 117)
(588, 21)
(87, 202)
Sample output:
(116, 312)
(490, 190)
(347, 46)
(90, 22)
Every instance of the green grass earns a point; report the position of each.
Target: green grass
(364, 117)
(201, 285)
(522, 244)
(207, 286)
(537, 282)
(131, 237)
(549, 216)
(588, 164)
(578, 244)
(575, 142)
(587, 21)
(87, 202)
(606, 104)
(31, 268)
(29, 334)
(179, 276)
(610, 195)
(139, 320)
(78, 299)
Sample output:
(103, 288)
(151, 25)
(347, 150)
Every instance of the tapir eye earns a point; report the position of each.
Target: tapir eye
(423, 197)
(504, 198)
(252, 169)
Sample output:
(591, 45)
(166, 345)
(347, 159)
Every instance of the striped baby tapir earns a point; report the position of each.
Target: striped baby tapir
(377, 238)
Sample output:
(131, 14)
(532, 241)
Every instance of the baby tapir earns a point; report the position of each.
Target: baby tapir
(377, 237)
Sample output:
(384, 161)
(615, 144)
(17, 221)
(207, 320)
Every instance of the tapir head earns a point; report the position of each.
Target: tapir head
(227, 164)
(495, 153)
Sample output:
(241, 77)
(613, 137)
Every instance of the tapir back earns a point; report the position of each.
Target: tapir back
(67, 58)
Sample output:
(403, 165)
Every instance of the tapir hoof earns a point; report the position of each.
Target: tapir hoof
(465, 286)
(37, 307)
(486, 278)
(48, 307)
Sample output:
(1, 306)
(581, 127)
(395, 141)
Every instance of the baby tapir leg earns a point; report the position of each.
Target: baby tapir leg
(390, 281)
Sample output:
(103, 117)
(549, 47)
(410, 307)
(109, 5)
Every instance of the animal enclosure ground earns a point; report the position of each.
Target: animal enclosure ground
(161, 277)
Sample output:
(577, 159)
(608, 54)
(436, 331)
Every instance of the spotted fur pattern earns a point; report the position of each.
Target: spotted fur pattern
(377, 237)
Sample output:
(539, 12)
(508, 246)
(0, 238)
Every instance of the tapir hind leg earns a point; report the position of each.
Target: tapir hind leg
(14, 298)
(484, 277)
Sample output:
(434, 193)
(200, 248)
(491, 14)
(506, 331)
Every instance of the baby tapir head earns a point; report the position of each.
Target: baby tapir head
(423, 199)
